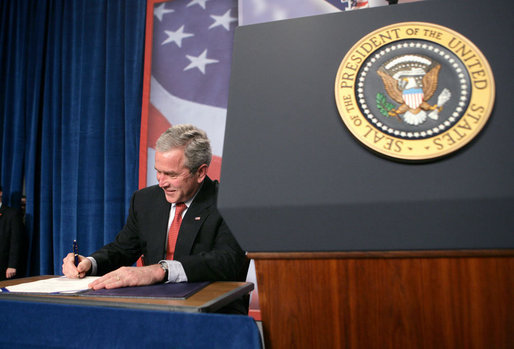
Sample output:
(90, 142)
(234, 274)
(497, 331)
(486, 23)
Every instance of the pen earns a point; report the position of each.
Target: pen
(76, 252)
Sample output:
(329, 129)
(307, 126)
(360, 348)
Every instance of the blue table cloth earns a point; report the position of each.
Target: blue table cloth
(26, 324)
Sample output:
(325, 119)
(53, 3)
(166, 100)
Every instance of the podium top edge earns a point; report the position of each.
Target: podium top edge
(383, 254)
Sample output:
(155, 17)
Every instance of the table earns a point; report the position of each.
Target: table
(55, 321)
(211, 298)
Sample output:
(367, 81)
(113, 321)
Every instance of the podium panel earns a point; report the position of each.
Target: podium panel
(386, 300)
(296, 179)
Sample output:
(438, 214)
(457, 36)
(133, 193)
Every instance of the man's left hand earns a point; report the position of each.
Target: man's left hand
(130, 276)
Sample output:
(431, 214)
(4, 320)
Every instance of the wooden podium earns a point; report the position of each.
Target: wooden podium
(354, 249)
(450, 299)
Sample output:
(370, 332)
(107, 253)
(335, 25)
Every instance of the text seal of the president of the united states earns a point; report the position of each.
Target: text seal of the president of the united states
(414, 91)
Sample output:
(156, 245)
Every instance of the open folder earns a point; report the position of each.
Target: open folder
(180, 290)
(64, 286)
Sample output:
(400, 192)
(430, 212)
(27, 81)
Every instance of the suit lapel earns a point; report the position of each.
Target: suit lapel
(164, 213)
(2, 209)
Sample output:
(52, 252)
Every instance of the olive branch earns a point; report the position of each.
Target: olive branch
(383, 105)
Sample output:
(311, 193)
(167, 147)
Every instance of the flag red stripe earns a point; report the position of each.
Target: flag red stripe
(157, 124)
(143, 142)
(215, 168)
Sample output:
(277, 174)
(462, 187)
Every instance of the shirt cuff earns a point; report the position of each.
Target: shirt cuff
(176, 271)
(94, 266)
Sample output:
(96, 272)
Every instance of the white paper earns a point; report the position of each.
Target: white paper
(54, 285)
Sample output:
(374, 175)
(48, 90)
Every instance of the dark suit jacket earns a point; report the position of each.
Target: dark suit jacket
(205, 246)
(12, 242)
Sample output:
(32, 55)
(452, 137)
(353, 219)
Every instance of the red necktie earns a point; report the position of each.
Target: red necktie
(174, 228)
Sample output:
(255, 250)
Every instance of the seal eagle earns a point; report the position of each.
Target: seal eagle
(411, 80)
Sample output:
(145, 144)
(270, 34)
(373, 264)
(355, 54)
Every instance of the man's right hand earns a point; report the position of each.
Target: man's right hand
(71, 271)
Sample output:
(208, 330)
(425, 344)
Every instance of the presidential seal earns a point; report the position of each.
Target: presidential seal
(414, 91)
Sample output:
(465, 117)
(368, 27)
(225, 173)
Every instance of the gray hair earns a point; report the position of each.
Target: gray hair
(197, 148)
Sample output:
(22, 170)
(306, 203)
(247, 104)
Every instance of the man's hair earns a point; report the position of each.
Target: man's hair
(197, 148)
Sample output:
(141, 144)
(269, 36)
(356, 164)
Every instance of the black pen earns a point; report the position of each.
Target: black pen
(76, 252)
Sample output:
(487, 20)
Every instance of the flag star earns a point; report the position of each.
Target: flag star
(200, 3)
(176, 36)
(160, 11)
(224, 20)
(199, 62)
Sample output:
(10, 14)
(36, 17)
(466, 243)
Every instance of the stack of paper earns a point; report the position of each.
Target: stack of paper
(54, 285)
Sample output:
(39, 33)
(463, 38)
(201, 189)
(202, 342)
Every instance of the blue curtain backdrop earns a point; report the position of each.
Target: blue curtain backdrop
(71, 75)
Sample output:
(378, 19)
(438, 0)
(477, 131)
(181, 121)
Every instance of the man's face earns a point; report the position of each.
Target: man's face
(174, 178)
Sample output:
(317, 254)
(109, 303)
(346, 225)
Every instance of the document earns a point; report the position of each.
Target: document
(60, 284)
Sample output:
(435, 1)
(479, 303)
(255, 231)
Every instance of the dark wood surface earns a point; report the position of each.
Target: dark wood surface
(209, 299)
(381, 254)
(387, 300)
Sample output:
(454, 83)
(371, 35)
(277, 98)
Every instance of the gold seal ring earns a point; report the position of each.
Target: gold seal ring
(414, 91)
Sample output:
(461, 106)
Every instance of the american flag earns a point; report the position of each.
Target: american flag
(346, 5)
(190, 70)
(260, 11)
